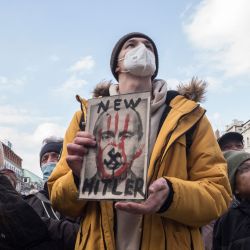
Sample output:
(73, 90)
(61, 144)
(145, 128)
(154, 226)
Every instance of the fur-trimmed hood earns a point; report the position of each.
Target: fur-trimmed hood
(194, 90)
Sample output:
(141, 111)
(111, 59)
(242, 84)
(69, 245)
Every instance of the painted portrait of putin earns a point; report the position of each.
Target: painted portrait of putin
(118, 136)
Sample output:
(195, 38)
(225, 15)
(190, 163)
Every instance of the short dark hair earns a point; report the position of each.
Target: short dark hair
(230, 136)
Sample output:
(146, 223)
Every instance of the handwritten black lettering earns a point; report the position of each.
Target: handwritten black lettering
(139, 187)
(105, 187)
(102, 106)
(96, 186)
(88, 185)
(117, 103)
(129, 185)
(131, 103)
(114, 191)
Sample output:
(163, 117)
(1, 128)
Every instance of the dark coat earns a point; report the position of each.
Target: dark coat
(20, 227)
(232, 230)
(62, 230)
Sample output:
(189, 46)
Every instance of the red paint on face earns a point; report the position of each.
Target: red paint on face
(119, 146)
(100, 166)
(116, 122)
(108, 122)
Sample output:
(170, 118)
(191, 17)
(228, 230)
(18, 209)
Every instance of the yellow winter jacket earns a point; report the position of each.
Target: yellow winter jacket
(201, 188)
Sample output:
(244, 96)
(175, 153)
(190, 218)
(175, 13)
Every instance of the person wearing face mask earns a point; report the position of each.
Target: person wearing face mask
(62, 230)
(187, 177)
(49, 155)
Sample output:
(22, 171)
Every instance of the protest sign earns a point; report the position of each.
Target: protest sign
(116, 168)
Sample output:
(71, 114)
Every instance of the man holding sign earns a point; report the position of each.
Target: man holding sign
(187, 182)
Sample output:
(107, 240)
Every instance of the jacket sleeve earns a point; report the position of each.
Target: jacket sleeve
(61, 184)
(206, 194)
(63, 231)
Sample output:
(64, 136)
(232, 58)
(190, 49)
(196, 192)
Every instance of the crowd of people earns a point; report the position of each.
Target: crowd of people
(197, 186)
(29, 221)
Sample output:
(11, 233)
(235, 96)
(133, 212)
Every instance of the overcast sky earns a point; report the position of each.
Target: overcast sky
(52, 50)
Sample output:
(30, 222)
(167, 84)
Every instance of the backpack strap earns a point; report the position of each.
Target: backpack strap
(189, 138)
(171, 94)
(47, 206)
(42, 197)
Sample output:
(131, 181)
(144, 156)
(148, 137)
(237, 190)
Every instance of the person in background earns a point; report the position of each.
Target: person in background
(62, 230)
(231, 141)
(20, 226)
(228, 141)
(187, 182)
(10, 174)
(232, 230)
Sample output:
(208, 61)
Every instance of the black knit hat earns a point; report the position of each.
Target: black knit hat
(51, 145)
(117, 49)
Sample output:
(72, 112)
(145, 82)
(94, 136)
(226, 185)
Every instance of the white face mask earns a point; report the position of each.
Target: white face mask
(139, 61)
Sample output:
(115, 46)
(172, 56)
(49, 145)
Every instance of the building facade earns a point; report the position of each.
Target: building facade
(13, 162)
(31, 182)
(26, 180)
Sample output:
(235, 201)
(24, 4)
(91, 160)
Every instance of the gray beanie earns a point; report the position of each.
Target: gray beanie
(234, 160)
(120, 43)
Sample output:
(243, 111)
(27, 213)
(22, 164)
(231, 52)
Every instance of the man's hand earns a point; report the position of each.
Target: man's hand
(77, 149)
(158, 193)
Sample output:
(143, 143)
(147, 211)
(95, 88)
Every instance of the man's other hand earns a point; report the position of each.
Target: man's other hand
(158, 193)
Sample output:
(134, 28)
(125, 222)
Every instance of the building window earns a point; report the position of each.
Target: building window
(248, 142)
(26, 179)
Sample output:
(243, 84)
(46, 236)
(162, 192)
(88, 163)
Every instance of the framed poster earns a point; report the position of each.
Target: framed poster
(116, 169)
